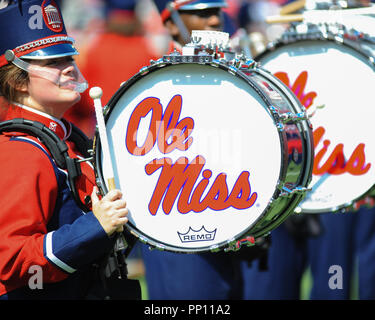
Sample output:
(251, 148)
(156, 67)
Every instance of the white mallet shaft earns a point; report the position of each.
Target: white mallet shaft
(96, 94)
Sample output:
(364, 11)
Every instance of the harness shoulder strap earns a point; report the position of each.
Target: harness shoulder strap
(53, 143)
(82, 142)
(57, 147)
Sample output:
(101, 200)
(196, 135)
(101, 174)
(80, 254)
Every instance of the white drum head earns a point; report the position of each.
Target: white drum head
(341, 83)
(232, 131)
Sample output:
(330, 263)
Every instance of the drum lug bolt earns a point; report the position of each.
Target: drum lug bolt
(290, 117)
(231, 245)
(214, 248)
(143, 240)
(232, 70)
(235, 246)
(236, 63)
(276, 115)
(249, 64)
(297, 190)
(280, 126)
(143, 71)
(160, 63)
(160, 247)
(105, 110)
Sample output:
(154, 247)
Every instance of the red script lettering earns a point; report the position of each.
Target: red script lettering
(336, 163)
(181, 176)
(163, 127)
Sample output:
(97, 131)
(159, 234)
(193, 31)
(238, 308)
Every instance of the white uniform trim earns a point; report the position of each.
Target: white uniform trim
(53, 258)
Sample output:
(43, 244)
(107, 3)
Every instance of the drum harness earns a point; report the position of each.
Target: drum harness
(115, 263)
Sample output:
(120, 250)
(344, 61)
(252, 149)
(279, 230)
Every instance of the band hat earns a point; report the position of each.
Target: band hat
(120, 9)
(165, 7)
(128, 5)
(34, 30)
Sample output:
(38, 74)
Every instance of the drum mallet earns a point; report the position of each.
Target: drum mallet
(96, 94)
(284, 18)
(292, 7)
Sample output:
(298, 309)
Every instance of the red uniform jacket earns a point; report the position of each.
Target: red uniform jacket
(40, 224)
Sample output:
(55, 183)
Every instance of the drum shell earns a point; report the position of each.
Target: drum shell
(294, 172)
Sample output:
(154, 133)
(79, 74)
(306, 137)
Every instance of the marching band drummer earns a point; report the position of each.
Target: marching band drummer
(191, 15)
(47, 243)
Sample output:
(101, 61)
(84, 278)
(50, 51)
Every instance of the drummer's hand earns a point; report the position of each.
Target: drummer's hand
(110, 211)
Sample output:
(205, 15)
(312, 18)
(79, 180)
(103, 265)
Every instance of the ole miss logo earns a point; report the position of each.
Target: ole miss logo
(336, 163)
(185, 183)
(52, 16)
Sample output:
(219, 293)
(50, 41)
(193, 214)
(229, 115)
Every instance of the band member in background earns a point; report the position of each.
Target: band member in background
(48, 244)
(181, 17)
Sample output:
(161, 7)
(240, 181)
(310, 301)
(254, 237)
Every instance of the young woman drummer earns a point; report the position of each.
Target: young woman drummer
(48, 245)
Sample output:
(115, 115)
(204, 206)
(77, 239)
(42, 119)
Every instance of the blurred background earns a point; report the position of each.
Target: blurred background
(85, 19)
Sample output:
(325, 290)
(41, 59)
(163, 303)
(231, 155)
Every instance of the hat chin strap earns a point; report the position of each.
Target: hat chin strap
(48, 74)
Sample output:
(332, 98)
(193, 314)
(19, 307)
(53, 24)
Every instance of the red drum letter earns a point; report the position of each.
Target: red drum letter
(142, 109)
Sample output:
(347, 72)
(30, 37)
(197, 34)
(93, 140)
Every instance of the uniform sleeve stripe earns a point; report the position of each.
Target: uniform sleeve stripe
(53, 258)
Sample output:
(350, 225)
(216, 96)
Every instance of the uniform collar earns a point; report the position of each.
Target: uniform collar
(61, 127)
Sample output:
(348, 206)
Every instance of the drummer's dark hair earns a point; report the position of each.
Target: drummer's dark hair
(11, 78)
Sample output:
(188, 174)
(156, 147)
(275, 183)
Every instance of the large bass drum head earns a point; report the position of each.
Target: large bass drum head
(214, 184)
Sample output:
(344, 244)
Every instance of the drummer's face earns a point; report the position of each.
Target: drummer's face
(46, 96)
(206, 19)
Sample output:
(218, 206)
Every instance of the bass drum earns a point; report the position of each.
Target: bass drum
(209, 154)
(333, 77)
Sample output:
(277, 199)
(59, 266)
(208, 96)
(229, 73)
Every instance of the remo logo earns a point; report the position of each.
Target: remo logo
(183, 183)
(336, 161)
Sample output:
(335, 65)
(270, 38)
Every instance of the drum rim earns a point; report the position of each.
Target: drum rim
(307, 138)
(295, 199)
(329, 37)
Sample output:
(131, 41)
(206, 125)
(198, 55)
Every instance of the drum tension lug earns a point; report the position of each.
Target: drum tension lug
(290, 117)
(276, 116)
(214, 248)
(287, 117)
(286, 192)
(280, 126)
(153, 247)
(105, 110)
(236, 245)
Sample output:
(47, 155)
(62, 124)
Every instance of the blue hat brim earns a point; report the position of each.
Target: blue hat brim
(203, 6)
(52, 52)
